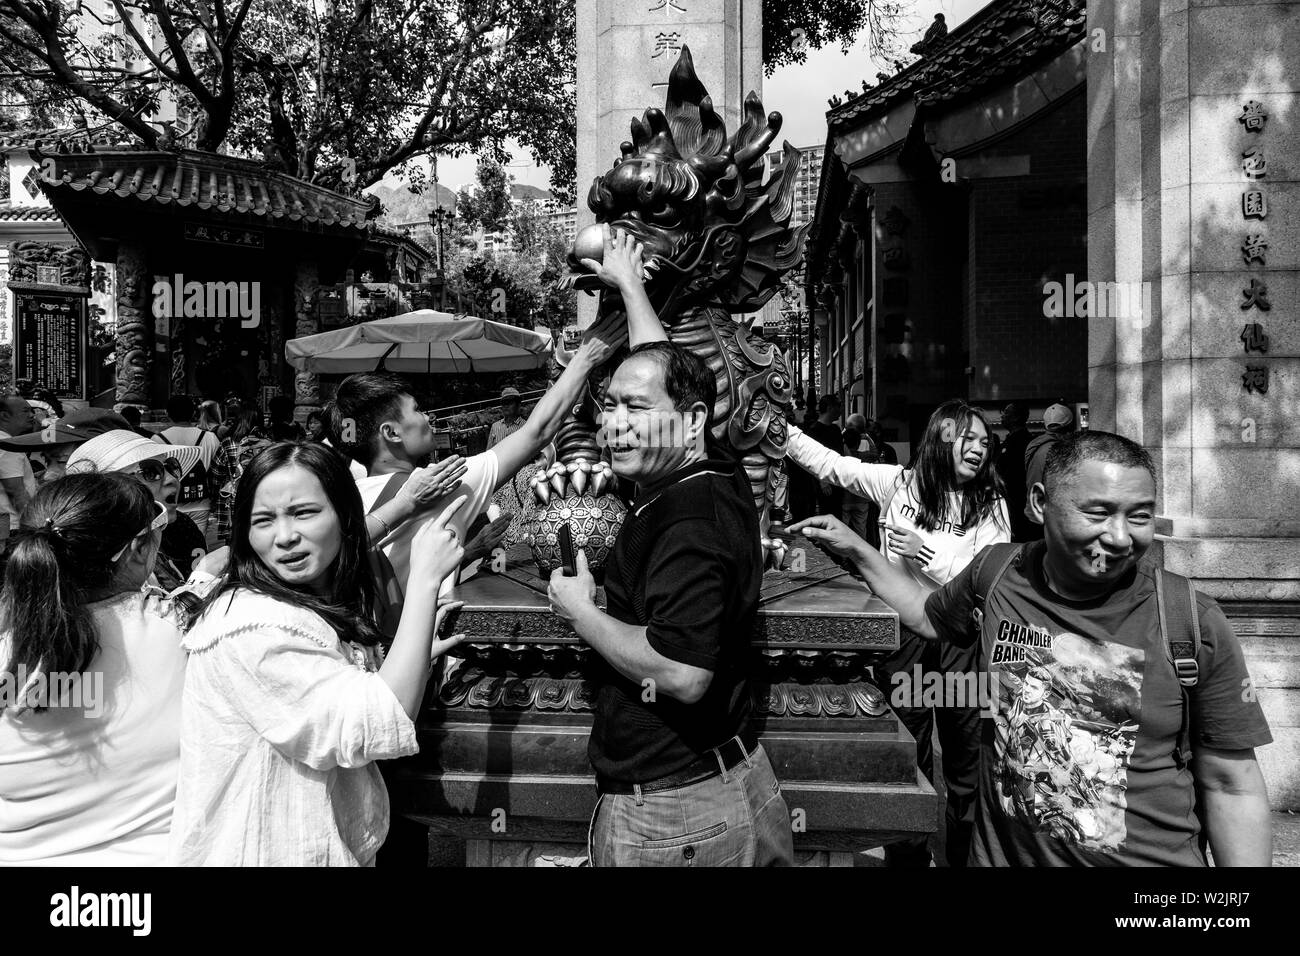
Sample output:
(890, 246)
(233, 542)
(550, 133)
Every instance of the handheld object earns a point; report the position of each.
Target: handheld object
(568, 559)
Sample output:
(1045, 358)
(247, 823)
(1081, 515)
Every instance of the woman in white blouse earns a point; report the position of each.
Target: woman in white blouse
(286, 706)
(935, 518)
(91, 671)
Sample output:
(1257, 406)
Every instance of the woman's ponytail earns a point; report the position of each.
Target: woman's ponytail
(62, 553)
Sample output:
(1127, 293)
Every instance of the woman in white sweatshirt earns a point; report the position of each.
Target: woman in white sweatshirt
(935, 517)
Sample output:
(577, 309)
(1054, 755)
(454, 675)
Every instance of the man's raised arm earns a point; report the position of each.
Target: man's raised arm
(890, 583)
(622, 268)
(598, 343)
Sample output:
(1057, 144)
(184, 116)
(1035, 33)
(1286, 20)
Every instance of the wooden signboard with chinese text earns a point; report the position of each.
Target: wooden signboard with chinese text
(50, 342)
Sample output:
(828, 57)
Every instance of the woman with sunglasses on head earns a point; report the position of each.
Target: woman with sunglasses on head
(160, 468)
(936, 516)
(287, 704)
(90, 741)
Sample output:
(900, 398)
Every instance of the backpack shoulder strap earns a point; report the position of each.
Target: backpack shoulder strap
(165, 439)
(1180, 632)
(1180, 624)
(990, 567)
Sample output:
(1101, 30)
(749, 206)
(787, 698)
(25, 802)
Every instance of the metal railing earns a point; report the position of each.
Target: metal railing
(451, 411)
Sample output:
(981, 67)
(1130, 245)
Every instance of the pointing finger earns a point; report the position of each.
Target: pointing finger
(450, 511)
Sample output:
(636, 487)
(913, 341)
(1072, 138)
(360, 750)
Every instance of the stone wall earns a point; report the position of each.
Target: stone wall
(1170, 173)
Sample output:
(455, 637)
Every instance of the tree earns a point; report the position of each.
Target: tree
(343, 93)
(489, 206)
(532, 230)
(336, 93)
(793, 27)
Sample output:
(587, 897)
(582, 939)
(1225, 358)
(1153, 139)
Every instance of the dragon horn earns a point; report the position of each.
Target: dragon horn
(756, 147)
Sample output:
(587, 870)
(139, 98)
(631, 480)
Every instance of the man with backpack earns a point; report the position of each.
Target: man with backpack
(1123, 719)
(197, 494)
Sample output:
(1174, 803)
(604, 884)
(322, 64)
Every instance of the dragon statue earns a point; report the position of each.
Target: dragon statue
(717, 242)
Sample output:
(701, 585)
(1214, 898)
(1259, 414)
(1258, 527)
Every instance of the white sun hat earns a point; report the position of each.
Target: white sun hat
(118, 450)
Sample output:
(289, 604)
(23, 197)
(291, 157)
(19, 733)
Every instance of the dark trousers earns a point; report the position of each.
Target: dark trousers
(959, 736)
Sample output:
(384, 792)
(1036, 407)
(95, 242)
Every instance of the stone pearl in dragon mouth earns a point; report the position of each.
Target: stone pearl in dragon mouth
(590, 244)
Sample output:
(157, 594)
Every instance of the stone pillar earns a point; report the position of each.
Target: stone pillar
(134, 328)
(306, 385)
(625, 53)
(1190, 127)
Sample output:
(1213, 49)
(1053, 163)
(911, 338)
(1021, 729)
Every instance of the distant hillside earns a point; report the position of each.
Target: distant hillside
(522, 193)
(401, 205)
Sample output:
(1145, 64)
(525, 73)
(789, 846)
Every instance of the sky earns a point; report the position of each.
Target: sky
(799, 93)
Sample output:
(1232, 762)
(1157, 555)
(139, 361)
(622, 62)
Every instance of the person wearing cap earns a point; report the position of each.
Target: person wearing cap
(1059, 422)
(56, 442)
(160, 468)
(511, 419)
(17, 480)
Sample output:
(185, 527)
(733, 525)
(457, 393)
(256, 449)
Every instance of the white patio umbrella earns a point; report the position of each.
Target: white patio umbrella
(421, 342)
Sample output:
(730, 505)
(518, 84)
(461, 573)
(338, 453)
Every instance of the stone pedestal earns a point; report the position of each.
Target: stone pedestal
(503, 765)
(625, 52)
(1194, 195)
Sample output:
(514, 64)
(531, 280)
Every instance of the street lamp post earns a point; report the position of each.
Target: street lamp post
(440, 217)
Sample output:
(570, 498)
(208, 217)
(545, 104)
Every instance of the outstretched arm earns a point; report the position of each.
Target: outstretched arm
(891, 583)
(598, 343)
(845, 471)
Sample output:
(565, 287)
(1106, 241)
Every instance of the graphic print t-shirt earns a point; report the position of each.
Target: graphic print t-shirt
(1078, 763)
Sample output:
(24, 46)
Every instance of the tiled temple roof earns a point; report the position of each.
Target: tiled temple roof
(1003, 40)
(27, 213)
(204, 181)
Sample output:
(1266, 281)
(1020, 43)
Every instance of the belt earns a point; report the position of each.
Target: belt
(707, 765)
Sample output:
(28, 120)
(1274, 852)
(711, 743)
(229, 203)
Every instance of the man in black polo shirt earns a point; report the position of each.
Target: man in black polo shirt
(682, 779)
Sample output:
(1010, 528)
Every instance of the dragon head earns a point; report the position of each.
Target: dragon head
(714, 233)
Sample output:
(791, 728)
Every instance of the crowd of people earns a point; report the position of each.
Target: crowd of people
(261, 607)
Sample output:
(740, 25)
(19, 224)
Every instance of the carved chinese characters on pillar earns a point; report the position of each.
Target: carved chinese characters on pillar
(1254, 339)
(669, 7)
(666, 42)
(1256, 296)
(1254, 207)
(1255, 379)
(1253, 116)
(1253, 163)
(1253, 249)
